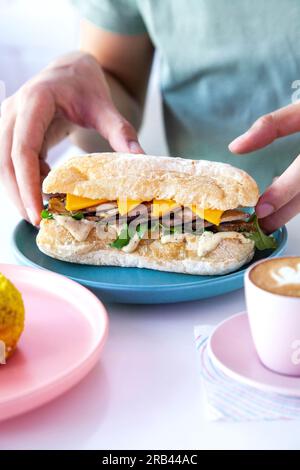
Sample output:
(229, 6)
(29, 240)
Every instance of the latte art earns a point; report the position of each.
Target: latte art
(278, 275)
(287, 275)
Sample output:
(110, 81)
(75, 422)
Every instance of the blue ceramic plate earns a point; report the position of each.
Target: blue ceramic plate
(134, 285)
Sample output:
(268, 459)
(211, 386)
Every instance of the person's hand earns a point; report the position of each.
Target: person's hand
(281, 200)
(71, 90)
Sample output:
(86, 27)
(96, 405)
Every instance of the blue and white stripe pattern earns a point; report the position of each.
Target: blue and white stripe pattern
(229, 400)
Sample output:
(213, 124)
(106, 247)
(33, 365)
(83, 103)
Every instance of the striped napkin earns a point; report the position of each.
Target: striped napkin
(229, 400)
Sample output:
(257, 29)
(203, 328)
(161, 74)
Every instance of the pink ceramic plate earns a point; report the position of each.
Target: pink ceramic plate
(66, 327)
(232, 350)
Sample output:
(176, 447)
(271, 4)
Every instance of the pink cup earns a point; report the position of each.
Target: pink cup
(275, 326)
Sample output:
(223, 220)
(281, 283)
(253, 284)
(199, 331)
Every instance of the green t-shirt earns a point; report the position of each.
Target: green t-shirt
(224, 63)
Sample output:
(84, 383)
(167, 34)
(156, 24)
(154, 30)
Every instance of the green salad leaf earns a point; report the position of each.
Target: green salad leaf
(78, 216)
(45, 214)
(155, 227)
(127, 233)
(123, 238)
(261, 240)
(141, 229)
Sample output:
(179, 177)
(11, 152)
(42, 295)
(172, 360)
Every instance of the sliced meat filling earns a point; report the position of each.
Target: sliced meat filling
(181, 219)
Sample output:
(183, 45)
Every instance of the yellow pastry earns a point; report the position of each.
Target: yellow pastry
(12, 315)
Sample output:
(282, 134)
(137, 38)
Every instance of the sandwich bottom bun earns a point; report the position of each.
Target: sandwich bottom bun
(230, 254)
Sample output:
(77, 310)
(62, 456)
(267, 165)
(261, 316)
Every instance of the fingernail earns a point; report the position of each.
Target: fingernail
(238, 140)
(134, 146)
(31, 216)
(265, 209)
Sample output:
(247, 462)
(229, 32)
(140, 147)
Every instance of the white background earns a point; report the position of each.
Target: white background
(145, 392)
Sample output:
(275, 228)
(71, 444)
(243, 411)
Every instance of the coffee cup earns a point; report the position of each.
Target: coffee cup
(272, 289)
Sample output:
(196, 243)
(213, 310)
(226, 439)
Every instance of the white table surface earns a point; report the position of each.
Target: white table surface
(145, 392)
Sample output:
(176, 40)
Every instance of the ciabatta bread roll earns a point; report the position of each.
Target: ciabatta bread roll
(169, 214)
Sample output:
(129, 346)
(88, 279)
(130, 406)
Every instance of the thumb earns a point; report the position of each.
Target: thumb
(120, 134)
(281, 191)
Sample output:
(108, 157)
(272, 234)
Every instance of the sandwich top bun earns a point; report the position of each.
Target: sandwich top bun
(111, 176)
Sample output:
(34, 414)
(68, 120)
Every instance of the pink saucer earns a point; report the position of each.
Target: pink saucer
(65, 329)
(231, 349)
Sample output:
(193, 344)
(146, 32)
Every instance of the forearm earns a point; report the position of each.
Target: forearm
(90, 140)
(71, 91)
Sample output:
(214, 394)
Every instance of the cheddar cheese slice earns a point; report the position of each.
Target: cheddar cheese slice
(162, 206)
(211, 215)
(75, 203)
(126, 205)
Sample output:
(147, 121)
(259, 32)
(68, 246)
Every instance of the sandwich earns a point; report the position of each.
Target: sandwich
(163, 213)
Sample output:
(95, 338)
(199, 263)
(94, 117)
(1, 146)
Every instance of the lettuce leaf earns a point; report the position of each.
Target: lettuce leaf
(78, 216)
(45, 214)
(123, 238)
(142, 229)
(127, 233)
(261, 240)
